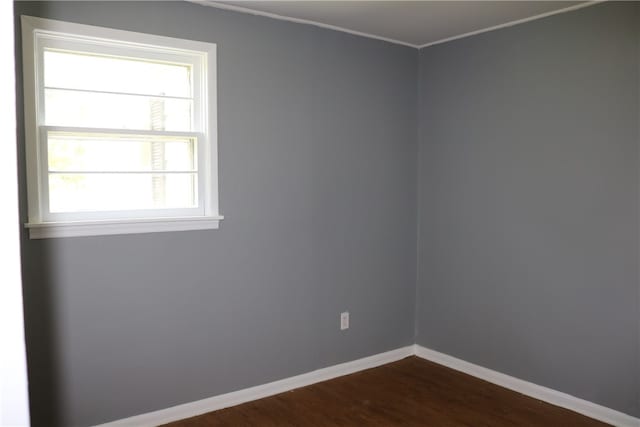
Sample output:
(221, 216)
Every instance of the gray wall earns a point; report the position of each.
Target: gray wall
(317, 145)
(528, 202)
(526, 197)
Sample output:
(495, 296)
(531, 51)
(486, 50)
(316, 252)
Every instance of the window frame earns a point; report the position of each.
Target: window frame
(40, 33)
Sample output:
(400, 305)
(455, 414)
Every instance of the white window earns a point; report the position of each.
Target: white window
(120, 131)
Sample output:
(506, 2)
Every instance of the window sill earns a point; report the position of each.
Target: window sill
(47, 230)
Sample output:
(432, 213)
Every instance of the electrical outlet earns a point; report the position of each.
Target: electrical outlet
(344, 320)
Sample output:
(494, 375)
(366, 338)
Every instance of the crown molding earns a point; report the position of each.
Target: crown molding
(240, 9)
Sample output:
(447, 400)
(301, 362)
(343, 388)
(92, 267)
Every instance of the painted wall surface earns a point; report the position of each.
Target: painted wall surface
(317, 144)
(526, 196)
(528, 202)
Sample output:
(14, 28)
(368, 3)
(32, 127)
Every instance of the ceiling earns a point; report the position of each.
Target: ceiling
(413, 23)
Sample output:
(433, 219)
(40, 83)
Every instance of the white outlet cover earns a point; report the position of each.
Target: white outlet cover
(344, 320)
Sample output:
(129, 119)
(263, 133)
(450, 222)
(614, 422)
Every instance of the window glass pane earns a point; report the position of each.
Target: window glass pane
(89, 109)
(74, 70)
(109, 192)
(105, 153)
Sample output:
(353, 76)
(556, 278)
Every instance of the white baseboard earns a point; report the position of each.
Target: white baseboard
(215, 403)
(545, 394)
(222, 401)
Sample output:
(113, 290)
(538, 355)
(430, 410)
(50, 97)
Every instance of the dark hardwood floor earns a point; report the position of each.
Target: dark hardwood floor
(410, 392)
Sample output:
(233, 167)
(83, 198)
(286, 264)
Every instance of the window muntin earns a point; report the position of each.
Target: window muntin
(116, 111)
(119, 128)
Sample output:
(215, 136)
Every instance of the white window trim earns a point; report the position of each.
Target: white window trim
(41, 228)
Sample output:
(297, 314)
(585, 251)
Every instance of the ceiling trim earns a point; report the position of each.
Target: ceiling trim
(241, 9)
(234, 8)
(512, 23)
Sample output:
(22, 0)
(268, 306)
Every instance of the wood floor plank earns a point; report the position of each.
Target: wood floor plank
(410, 392)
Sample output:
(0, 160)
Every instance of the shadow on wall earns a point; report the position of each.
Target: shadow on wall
(38, 273)
(41, 331)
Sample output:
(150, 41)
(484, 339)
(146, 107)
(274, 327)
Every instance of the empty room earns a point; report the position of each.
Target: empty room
(320, 213)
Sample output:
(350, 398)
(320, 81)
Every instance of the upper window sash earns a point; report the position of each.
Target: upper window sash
(118, 49)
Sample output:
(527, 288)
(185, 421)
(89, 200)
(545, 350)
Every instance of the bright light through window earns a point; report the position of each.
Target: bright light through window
(120, 126)
(104, 91)
(156, 172)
